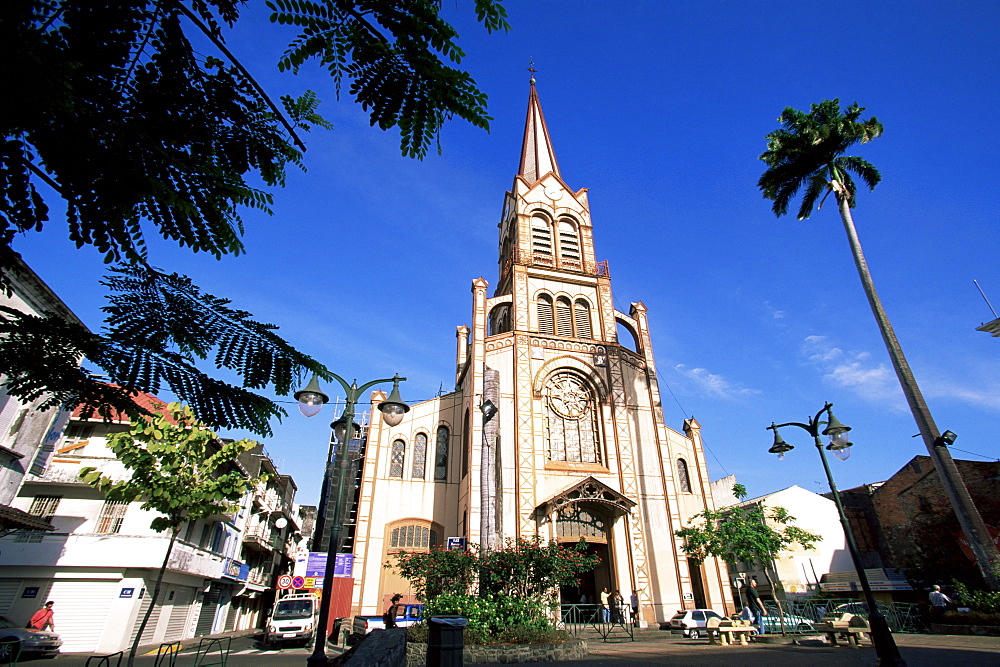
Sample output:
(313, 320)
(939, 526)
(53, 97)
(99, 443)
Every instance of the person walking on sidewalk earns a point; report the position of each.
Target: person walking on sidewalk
(42, 619)
(757, 607)
(939, 602)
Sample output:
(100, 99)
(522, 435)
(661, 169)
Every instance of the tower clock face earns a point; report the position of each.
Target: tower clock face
(568, 396)
(553, 192)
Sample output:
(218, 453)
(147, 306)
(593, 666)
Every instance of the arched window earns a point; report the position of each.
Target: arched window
(541, 240)
(419, 455)
(397, 458)
(546, 323)
(571, 419)
(581, 316)
(413, 537)
(500, 319)
(564, 317)
(441, 454)
(682, 476)
(569, 244)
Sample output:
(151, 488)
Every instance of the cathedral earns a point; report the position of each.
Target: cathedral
(555, 427)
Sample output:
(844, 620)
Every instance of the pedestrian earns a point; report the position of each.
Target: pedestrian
(617, 603)
(389, 618)
(42, 620)
(605, 610)
(939, 602)
(756, 606)
(634, 603)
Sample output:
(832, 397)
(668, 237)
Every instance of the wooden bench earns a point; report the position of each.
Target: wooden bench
(725, 632)
(847, 626)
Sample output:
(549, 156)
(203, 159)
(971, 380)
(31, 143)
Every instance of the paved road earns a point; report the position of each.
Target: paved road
(654, 647)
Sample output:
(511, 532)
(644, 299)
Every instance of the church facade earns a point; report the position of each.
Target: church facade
(555, 426)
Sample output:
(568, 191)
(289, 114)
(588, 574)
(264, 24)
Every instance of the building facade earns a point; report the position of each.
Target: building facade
(799, 571)
(100, 563)
(555, 426)
(28, 435)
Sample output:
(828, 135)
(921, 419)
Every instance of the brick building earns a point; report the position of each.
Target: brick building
(907, 521)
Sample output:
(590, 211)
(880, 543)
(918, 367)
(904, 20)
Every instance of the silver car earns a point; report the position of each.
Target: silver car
(32, 642)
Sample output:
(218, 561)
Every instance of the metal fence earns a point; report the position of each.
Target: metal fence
(616, 622)
(901, 616)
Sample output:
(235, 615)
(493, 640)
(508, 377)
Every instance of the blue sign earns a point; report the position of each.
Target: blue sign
(316, 565)
(30, 592)
(126, 593)
(456, 543)
(344, 566)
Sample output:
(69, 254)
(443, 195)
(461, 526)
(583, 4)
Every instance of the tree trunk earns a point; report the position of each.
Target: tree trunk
(777, 601)
(155, 595)
(969, 518)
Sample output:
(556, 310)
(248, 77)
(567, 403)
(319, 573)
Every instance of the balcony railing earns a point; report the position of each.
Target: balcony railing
(528, 258)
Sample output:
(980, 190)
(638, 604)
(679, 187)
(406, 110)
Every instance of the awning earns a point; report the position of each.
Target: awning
(878, 579)
(14, 519)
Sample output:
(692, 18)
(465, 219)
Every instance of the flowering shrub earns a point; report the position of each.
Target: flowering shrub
(506, 593)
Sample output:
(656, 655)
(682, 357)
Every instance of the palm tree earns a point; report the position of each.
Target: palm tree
(809, 151)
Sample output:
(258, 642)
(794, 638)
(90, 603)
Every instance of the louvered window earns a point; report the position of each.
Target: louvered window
(441, 455)
(546, 324)
(569, 244)
(112, 516)
(419, 455)
(397, 458)
(564, 318)
(541, 239)
(41, 506)
(581, 312)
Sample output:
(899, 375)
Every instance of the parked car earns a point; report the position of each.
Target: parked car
(793, 623)
(861, 609)
(691, 622)
(33, 642)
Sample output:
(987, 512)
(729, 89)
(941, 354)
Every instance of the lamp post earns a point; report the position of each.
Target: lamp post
(885, 645)
(311, 400)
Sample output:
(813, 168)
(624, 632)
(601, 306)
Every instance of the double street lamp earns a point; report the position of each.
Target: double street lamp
(885, 645)
(311, 400)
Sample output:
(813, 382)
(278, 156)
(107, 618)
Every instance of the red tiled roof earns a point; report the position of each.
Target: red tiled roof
(142, 399)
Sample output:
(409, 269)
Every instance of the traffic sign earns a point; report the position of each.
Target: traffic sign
(298, 582)
(284, 581)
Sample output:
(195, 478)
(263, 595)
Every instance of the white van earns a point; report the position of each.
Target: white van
(294, 618)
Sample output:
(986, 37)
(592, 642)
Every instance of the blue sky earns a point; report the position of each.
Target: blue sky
(660, 109)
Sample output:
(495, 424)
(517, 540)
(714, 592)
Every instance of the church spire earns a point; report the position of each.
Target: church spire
(537, 156)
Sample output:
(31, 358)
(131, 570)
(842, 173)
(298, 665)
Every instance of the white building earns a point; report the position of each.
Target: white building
(27, 434)
(100, 564)
(578, 447)
(799, 570)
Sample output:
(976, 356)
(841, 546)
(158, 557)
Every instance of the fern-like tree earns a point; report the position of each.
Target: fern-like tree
(808, 153)
(115, 120)
(752, 534)
(177, 468)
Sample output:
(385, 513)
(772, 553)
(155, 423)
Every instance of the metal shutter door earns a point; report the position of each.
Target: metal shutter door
(81, 611)
(179, 613)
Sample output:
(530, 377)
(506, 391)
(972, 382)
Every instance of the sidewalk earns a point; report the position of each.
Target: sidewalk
(658, 647)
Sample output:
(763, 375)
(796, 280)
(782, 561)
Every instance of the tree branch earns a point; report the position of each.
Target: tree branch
(243, 70)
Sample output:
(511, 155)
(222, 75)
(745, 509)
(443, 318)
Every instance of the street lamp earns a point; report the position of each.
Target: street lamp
(885, 645)
(311, 400)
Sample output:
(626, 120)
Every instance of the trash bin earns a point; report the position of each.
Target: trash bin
(445, 641)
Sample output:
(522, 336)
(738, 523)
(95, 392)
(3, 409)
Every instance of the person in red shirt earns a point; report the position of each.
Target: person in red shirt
(42, 620)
